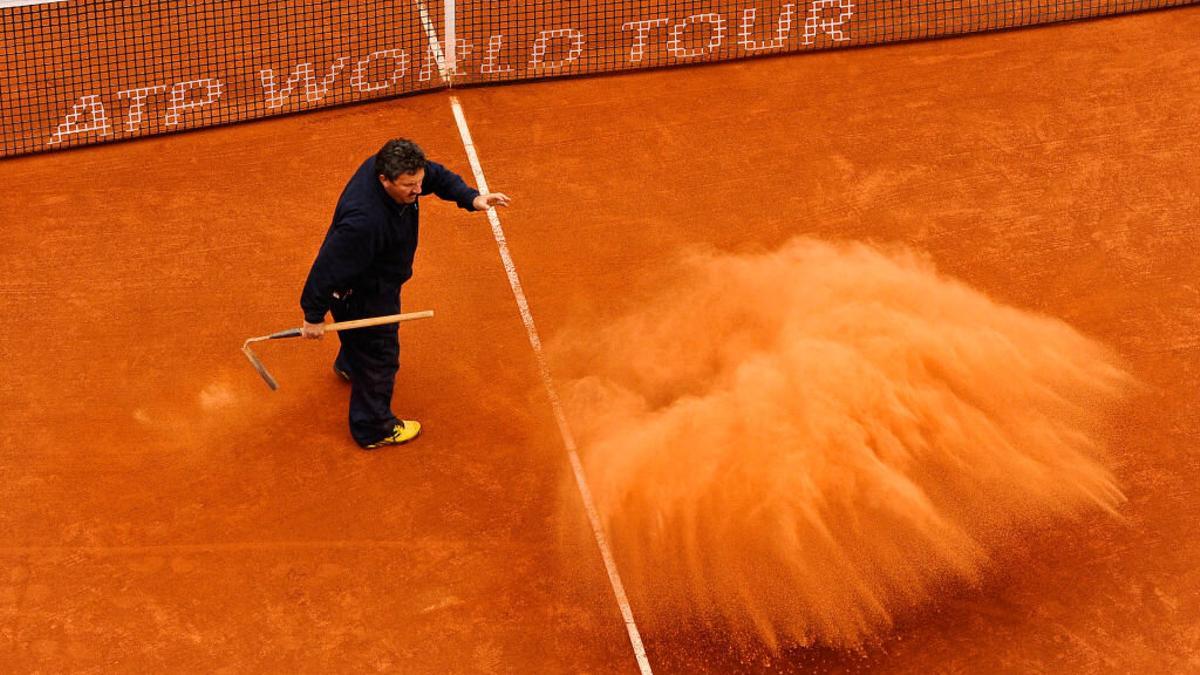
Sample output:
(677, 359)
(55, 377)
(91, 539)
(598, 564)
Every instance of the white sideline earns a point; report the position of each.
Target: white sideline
(431, 34)
(451, 39)
(568, 439)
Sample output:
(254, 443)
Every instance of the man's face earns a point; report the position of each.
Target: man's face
(405, 188)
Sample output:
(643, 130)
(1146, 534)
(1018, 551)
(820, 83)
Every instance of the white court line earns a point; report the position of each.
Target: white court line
(451, 23)
(589, 505)
(434, 45)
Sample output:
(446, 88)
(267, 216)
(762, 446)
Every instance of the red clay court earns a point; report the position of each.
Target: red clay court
(163, 511)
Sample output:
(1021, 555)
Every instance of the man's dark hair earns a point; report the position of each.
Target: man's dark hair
(398, 156)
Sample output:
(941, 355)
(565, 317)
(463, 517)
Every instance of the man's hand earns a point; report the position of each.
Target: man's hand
(312, 331)
(487, 201)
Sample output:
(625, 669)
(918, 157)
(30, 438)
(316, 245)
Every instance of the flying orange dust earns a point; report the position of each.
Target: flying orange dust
(803, 444)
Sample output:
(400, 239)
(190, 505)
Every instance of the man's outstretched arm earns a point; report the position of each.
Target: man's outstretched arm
(451, 187)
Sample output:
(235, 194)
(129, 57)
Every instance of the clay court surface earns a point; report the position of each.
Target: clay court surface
(165, 512)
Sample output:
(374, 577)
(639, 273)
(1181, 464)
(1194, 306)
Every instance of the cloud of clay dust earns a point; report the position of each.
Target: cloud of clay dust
(799, 446)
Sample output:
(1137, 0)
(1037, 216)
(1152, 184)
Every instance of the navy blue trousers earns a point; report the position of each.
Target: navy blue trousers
(372, 357)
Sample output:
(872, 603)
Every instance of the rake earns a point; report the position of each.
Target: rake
(329, 328)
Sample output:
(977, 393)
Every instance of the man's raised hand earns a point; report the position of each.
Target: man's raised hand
(487, 201)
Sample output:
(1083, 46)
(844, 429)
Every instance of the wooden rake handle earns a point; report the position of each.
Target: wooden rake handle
(377, 321)
(329, 328)
(350, 325)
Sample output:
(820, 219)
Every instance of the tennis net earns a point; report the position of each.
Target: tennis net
(88, 71)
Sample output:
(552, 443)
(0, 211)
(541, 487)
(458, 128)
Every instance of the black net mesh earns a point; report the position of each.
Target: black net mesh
(87, 71)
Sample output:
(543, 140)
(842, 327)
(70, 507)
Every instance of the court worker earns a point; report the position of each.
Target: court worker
(365, 258)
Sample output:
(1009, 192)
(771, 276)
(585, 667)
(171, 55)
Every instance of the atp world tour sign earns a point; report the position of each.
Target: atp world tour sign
(216, 97)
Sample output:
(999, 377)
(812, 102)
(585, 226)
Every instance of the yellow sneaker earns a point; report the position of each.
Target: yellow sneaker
(402, 433)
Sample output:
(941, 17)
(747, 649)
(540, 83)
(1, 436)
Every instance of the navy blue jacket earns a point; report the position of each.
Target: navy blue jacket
(370, 245)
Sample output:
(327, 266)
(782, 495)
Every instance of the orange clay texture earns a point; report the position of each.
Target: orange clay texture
(799, 446)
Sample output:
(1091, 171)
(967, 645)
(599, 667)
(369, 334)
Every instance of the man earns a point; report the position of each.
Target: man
(365, 258)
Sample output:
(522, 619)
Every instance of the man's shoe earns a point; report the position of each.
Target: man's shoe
(345, 375)
(402, 433)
